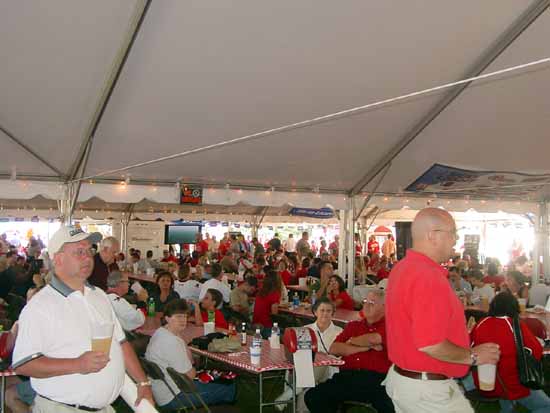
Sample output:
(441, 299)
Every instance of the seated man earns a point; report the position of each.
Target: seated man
(362, 346)
(481, 290)
(239, 296)
(117, 286)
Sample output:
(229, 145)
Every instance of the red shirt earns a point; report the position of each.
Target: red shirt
(358, 249)
(347, 302)
(262, 308)
(383, 273)
(494, 279)
(201, 247)
(373, 247)
(302, 272)
(366, 360)
(219, 319)
(285, 276)
(423, 310)
(224, 247)
(497, 330)
(333, 247)
(171, 258)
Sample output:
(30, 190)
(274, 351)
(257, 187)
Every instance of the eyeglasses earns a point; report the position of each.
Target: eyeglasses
(453, 232)
(82, 252)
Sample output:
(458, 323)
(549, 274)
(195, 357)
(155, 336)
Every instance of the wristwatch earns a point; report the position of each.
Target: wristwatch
(144, 383)
(473, 357)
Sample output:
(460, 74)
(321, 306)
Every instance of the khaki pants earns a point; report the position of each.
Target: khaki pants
(425, 396)
(42, 405)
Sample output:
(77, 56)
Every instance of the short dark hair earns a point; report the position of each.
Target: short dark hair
(492, 269)
(454, 269)
(149, 254)
(518, 277)
(216, 270)
(217, 296)
(177, 306)
(163, 274)
(322, 300)
(477, 274)
(504, 304)
(252, 281)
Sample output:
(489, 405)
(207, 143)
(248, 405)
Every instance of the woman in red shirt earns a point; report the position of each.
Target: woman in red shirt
(336, 291)
(302, 272)
(208, 310)
(284, 273)
(497, 328)
(267, 300)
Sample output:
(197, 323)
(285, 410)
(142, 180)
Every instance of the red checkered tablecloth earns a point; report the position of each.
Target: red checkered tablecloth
(271, 359)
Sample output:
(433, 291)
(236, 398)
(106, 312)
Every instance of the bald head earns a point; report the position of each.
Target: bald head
(434, 233)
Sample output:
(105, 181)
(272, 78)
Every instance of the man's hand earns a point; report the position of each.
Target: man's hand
(487, 353)
(142, 295)
(92, 362)
(144, 392)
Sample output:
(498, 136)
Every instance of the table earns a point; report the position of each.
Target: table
(141, 277)
(340, 317)
(271, 360)
(4, 374)
(299, 288)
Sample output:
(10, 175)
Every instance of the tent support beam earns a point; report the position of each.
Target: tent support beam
(138, 17)
(484, 61)
(31, 152)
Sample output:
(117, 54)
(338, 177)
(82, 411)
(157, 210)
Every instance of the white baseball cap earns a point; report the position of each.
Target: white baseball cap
(68, 234)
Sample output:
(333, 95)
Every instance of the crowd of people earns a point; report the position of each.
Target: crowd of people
(411, 351)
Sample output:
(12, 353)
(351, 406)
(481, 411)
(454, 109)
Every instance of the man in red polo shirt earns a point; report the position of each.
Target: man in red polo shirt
(362, 346)
(427, 337)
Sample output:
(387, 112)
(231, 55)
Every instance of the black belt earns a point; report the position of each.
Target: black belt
(74, 406)
(416, 375)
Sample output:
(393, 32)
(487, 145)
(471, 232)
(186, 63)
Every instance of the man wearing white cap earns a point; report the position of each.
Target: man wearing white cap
(55, 336)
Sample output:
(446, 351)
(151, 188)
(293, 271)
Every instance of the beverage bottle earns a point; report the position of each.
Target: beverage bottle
(313, 297)
(296, 300)
(274, 340)
(257, 339)
(151, 307)
(243, 334)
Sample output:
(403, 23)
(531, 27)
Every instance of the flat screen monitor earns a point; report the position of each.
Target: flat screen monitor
(181, 233)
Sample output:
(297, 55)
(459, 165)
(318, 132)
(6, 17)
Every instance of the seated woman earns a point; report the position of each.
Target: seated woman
(516, 283)
(303, 270)
(497, 328)
(168, 349)
(283, 272)
(267, 300)
(337, 294)
(207, 310)
(165, 292)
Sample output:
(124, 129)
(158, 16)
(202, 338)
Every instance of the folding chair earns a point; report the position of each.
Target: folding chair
(186, 385)
(155, 372)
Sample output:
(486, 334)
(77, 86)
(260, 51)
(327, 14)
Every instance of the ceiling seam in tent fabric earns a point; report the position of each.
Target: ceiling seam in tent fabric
(486, 59)
(370, 194)
(318, 120)
(81, 161)
(31, 152)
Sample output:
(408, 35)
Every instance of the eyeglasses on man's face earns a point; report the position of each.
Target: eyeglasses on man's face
(81, 252)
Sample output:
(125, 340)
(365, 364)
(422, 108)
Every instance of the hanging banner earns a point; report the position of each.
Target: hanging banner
(225, 224)
(237, 225)
(322, 213)
(213, 223)
(447, 179)
(191, 195)
(19, 219)
(4, 220)
(35, 219)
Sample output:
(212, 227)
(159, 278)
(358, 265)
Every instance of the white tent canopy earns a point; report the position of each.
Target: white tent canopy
(202, 72)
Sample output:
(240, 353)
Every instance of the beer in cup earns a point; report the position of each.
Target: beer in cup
(102, 334)
(209, 327)
(522, 304)
(486, 374)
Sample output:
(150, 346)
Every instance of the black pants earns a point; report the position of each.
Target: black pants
(352, 385)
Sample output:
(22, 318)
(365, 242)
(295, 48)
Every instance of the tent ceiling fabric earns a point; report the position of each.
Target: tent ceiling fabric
(203, 71)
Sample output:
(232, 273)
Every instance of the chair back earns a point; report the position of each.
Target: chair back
(152, 369)
(184, 383)
(536, 327)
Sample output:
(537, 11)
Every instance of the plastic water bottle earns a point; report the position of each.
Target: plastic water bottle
(313, 297)
(151, 307)
(243, 334)
(257, 339)
(296, 300)
(274, 341)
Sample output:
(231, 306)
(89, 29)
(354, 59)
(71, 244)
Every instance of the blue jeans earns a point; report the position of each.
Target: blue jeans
(536, 402)
(212, 393)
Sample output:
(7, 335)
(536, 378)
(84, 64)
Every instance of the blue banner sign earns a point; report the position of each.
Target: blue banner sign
(322, 213)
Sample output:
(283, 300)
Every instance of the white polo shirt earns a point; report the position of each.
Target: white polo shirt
(216, 285)
(57, 323)
(130, 318)
(188, 290)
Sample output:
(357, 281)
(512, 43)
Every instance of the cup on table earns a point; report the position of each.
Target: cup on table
(486, 374)
(484, 301)
(150, 272)
(302, 281)
(209, 327)
(255, 355)
(102, 335)
(522, 304)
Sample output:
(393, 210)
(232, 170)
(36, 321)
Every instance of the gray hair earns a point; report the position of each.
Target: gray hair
(108, 242)
(379, 292)
(114, 278)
